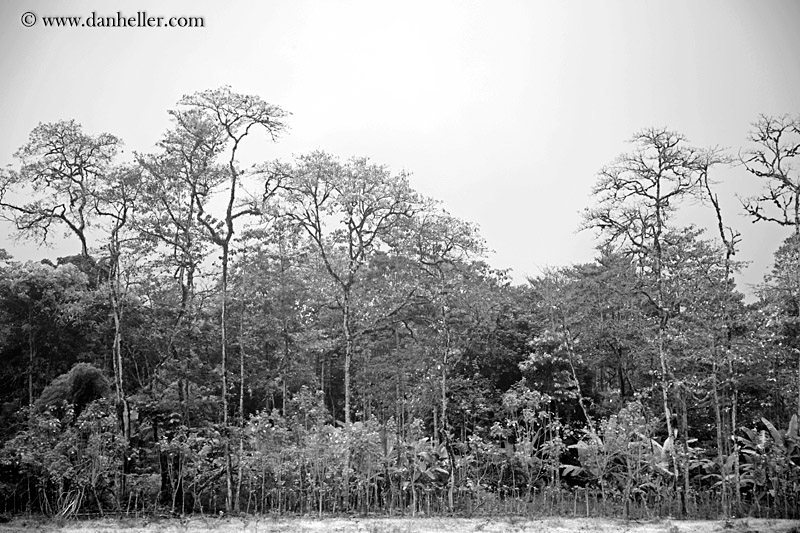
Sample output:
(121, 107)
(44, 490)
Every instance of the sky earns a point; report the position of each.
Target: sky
(503, 110)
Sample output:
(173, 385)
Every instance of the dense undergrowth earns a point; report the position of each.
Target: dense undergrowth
(300, 465)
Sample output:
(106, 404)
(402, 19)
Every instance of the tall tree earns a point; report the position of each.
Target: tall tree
(775, 159)
(722, 338)
(115, 201)
(231, 117)
(637, 194)
(443, 249)
(176, 182)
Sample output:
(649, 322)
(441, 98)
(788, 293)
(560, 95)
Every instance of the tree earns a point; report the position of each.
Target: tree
(723, 338)
(777, 141)
(60, 170)
(443, 245)
(176, 182)
(701, 328)
(115, 200)
(227, 118)
(637, 194)
(775, 160)
(350, 212)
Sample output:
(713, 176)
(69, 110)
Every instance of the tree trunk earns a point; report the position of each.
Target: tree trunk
(122, 402)
(31, 357)
(729, 447)
(685, 463)
(663, 316)
(737, 480)
(570, 357)
(241, 410)
(720, 446)
(796, 351)
(224, 340)
(115, 295)
(435, 425)
(665, 391)
(348, 354)
(445, 428)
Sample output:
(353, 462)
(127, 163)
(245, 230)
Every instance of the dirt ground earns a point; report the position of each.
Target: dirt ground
(402, 525)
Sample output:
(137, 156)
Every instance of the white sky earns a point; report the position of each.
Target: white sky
(504, 110)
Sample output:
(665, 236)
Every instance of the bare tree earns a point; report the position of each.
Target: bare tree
(59, 174)
(774, 160)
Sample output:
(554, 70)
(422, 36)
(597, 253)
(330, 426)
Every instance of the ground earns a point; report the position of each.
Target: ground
(402, 525)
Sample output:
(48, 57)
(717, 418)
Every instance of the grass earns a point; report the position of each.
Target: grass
(509, 524)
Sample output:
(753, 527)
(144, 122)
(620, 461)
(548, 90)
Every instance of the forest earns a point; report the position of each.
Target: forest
(314, 336)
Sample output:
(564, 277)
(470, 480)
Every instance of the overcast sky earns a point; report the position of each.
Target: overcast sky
(503, 110)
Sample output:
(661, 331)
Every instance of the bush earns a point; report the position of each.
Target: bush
(69, 462)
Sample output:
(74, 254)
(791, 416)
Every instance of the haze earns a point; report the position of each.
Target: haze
(502, 110)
